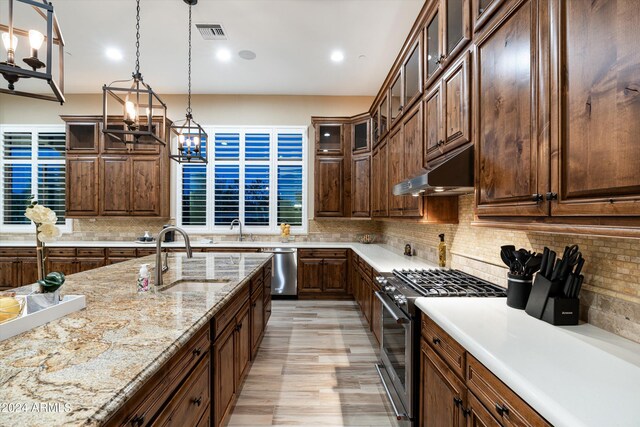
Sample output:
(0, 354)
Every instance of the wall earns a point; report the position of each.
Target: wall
(231, 110)
(611, 296)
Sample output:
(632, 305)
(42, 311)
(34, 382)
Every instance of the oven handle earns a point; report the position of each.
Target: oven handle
(399, 415)
(397, 315)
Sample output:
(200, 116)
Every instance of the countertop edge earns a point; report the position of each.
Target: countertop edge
(108, 410)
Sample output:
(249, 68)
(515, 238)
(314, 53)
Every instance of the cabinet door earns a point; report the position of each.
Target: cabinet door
(457, 28)
(433, 124)
(375, 183)
(334, 274)
(512, 169)
(396, 171)
(9, 273)
(456, 96)
(360, 189)
(243, 343)
(478, 416)
(442, 393)
(329, 197)
(82, 137)
(63, 265)
(224, 376)
(376, 314)
(412, 74)
(309, 275)
(383, 118)
(360, 137)
(28, 271)
(81, 186)
(145, 186)
(383, 176)
(115, 181)
(597, 169)
(482, 10)
(329, 139)
(366, 293)
(433, 45)
(257, 320)
(413, 157)
(85, 264)
(395, 95)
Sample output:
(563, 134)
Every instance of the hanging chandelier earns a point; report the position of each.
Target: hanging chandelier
(39, 70)
(189, 138)
(141, 115)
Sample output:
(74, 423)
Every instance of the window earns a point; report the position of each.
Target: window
(254, 174)
(31, 162)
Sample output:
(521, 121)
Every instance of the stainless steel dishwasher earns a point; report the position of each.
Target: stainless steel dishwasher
(284, 282)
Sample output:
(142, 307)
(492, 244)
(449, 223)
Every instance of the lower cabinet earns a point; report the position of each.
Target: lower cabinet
(322, 273)
(364, 287)
(457, 390)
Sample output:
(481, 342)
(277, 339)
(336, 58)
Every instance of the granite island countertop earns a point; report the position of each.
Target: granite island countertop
(87, 364)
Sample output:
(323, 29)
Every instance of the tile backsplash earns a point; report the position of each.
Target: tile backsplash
(611, 296)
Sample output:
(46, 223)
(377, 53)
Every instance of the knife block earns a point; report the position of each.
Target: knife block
(541, 290)
(561, 311)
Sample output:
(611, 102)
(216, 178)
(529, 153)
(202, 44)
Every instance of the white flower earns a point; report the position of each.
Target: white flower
(48, 233)
(41, 215)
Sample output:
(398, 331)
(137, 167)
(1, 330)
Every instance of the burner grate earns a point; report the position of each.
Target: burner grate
(448, 283)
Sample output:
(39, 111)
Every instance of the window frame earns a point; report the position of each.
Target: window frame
(272, 163)
(34, 162)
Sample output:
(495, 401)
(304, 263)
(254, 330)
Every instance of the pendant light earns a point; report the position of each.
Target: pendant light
(40, 70)
(189, 138)
(141, 116)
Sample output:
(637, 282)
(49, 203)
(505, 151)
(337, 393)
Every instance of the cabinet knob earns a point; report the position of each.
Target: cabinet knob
(197, 401)
(537, 198)
(435, 340)
(502, 410)
(552, 196)
(457, 401)
(197, 352)
(137, 421)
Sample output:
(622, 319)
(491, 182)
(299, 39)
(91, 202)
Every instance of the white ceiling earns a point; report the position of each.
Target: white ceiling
(293, 40)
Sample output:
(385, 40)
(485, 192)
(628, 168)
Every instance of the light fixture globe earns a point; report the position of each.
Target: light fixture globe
(132, 112)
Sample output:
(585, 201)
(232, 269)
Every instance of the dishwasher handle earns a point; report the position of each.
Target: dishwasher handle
(277, 251)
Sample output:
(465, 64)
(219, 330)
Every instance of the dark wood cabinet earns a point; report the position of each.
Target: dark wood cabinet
(478, 415)
(243, 343)
(64, 265)
(412, 74)
(323, 273)
(111, 178)
(360, 186)
(379, 181)
(361, 134)
(433, 44)
(510, 168)
(329, 197)
(376, 311)
(329, 139)
(224, 374)
(433, 123)
(483, 10)
(412, 138)
(81, 184)
(444, 395)
(9, 273)
(596, 171)
(257, 320)
(28, 270)
(396, 158)
(395, 99)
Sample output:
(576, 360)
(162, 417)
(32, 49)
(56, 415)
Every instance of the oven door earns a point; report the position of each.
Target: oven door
(396, 350)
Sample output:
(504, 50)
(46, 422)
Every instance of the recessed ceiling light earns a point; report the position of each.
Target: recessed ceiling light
(337, 56)
(327, 134)
(223, 55)
(362, 56)
(247, 54)
(113, 54)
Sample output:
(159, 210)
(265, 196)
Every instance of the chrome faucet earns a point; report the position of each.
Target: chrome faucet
(161, 266)
(239, 223)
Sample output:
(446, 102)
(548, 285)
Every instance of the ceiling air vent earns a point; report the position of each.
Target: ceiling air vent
(212, 31)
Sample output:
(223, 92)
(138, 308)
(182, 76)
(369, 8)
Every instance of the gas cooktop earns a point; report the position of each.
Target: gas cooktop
(448, 283)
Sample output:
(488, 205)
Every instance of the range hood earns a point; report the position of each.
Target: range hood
(451, 175)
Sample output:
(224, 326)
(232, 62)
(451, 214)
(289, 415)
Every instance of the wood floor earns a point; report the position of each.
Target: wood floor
(314, 367)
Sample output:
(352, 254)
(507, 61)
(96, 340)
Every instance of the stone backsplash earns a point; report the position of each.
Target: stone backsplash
(611, 296)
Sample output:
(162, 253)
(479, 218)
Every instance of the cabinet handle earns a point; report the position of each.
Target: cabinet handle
(137, 421)
(197, 352)
(457, 401)
(552, 196)
(197, 401)
(466, 412)
(440, 143)
(537, 198)
(239, 327)
(502, 410)
(435, 340)
(254, 304)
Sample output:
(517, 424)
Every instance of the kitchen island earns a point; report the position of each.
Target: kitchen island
(86, 367)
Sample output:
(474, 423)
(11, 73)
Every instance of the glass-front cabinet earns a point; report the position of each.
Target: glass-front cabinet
(329, 139)
(482, 10)
(457, 30)
(412, 75)
(433, 51)
(383, 118)
(396, 97)
(360, 135)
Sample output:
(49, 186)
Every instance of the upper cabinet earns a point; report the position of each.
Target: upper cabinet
(482, 10)
(395, 95)
(383, 117)
(332, 166)
(447, 32)
(511, 175)
(82, 136)
(412, 74)
(597, 82)
(329, 139)
(360, 134)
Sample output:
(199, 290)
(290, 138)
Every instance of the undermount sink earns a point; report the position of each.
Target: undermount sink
(196, 286)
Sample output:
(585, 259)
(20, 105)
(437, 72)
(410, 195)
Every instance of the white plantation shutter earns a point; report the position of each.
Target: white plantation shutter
(32, 163)
(255, 174)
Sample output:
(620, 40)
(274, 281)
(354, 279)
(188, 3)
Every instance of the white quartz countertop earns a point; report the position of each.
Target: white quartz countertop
(572, 375)
(383, 258)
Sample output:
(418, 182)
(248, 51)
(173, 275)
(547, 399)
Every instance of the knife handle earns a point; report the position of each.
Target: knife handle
(579, 266)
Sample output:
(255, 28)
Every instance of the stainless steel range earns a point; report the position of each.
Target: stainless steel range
(399, 346)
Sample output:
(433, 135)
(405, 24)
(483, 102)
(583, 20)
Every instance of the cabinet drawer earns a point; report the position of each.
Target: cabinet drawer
(188, 357)
(190, 401)
(257, 282)
(146, 252)
(322, 253)
(266, 272)
(90, 252)
(17, 252)
(227, 313)
(68, 252)
(121, 252)
(508, 408)
(446, 347)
